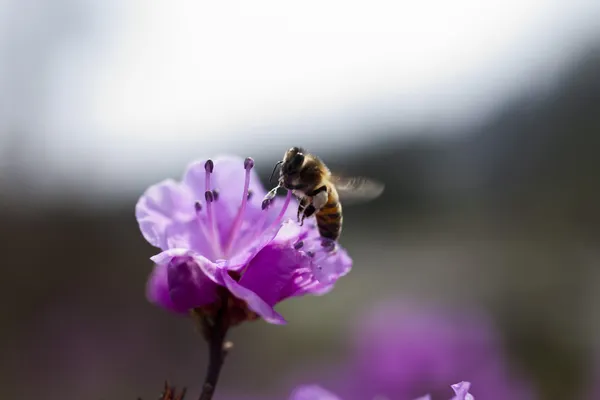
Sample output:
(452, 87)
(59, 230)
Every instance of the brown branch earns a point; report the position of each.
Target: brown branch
(213, 326)
(215, 330)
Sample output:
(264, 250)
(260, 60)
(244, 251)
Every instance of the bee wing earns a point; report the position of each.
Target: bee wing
(357, 189)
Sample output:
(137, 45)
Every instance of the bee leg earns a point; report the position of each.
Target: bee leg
(308, 212)
(327, 244)
(301, 207)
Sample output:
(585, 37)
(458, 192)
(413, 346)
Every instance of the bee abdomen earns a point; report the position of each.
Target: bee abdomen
(329, 220)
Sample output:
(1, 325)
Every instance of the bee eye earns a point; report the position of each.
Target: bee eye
(297, 161)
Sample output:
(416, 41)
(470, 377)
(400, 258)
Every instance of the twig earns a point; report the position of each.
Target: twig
(215, 329)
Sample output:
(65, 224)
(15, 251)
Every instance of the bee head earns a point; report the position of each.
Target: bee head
(292, 161)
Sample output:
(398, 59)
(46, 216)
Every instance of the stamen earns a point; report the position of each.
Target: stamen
(204, 228)
(256, 229)
(235, 228)
(277, 221)
(208, 195)
(298, 245)
(215, 193)
(258, 226)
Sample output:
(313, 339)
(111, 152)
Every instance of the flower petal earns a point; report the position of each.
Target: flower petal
(285, 233)
(276, 273)
(312, 392)
(279, 271)
(327, 266)
(191, 279)
(189, 286)
(157, 290)
(461, 390)
(254, 302)
(288, 234)
(165, 256)
(160, 206)
(190, 235)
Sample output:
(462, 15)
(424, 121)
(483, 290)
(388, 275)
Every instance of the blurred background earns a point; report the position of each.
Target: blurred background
(482, 118)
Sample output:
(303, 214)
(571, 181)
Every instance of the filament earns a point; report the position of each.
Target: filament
(235, 228)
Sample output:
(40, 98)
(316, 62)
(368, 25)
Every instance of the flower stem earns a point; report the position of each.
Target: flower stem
(215, 330)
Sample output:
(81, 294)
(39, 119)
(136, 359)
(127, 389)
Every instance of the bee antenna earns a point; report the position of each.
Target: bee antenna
(274, 169)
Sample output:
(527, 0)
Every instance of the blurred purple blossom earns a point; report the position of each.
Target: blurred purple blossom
(216, 231)
(315, 392)
(591, 389)
(312, 392)
(403, 350)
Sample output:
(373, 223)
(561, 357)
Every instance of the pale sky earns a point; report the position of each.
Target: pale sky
(153, 84)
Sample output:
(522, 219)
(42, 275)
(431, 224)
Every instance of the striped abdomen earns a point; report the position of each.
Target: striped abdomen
(329, 217)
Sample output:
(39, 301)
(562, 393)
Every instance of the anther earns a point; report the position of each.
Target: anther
(212, 234)
(215, 193)
(298, 245)
(250, 194)
(310, 253)
(198, 206)
(248, 163)
(265, 203)
(209, 165)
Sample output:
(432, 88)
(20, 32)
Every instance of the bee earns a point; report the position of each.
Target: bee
(320, 191)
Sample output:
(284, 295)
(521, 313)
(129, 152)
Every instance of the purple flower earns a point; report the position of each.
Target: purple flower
(591, 389)
(217, 234)
(403, 350)
(315, 392)
(461, 390)
(312, 392)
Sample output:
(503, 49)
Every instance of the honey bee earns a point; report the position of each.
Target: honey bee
(320, 191)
